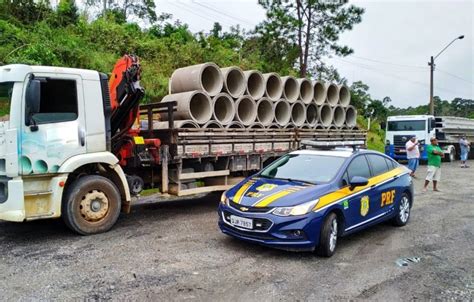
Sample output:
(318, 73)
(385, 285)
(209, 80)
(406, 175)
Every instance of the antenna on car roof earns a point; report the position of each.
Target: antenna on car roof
(355, 144)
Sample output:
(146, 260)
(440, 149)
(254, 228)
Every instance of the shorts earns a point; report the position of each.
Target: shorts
(464, 155)
(413, 164)
(434, 173)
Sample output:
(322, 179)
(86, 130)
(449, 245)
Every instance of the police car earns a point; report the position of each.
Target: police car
(306, 199)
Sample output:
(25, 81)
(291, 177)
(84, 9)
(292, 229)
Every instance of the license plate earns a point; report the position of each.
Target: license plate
(403, 150)
(241, 222)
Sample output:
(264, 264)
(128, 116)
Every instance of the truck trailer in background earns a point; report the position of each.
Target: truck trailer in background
(447, 129)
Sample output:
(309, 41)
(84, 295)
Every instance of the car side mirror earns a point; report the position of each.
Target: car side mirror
(383, 125)
(32, 102)
(358, 181)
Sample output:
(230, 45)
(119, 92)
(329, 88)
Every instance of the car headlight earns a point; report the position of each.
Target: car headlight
(224, 199)
(301, 209)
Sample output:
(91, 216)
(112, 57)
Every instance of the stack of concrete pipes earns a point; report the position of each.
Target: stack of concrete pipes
(213, 97)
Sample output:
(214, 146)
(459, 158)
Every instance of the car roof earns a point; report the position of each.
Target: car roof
(337, 152)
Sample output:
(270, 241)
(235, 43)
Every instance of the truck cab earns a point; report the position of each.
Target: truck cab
(53, 131)
(399, 129)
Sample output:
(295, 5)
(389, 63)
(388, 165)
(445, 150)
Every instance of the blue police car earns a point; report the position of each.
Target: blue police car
(306, 199)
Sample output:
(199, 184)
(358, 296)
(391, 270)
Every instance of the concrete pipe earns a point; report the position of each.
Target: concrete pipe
(193, 105)
(306, 90)
(234, 81)
(257, 126)
(311, 115)
(274, 126)
(319, 93)
(332, 127)
(344, 96)
(325, 114)
(235, 125)
(223, 108)
(306, 126)
(187, 124)
(273, 86)
(319, 127)
(246, 110)
(332, 94)
(351, 116)
(265, 114)
(291, 89)
(289, 126)
(339, 116)
(212, 125)
(282, 112)
(207, 77)
(255, 83)
(298, 113)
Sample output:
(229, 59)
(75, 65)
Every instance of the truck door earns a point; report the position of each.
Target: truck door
(56, 130)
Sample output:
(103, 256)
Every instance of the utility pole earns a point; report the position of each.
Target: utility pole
(432, 66)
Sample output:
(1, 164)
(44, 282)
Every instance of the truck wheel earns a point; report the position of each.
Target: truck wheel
(328, 238)
(451, 156)
(91, 205)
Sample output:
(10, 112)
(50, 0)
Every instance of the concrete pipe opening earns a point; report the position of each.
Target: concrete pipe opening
(207, 77)
(273, 86)
(194, 105)
(332, 92)
(235, 125)
(344, 96)
(223, 108)
(255, 83)
(351, 116)
(319, 93)
(291, 89)
(274, 126)
(265, 114)
(339, 117)
(332, 127)
(234, 81)
(246, 110)
(187, 124)
(212, 125)
(257, 126)
(282, 112)
(311, 114)
(319, 127)
(325, 115)
(306, 91)
(305, 126)
(289, 126)
(298, 114)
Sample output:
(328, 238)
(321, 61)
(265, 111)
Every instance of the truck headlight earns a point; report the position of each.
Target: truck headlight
(301, 209)
(224, 199)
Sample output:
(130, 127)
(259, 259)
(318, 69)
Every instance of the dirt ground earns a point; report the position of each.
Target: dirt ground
(173, 250)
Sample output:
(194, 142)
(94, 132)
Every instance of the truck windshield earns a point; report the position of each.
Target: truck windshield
(310, 168)
(6, 90)
(406, 125)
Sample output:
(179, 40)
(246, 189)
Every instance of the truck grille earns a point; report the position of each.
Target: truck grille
(249, 208)
(401, 140)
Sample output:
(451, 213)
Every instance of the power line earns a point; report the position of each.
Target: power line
(223, 13)
(390, 63)
(182, 6)
(455, 76)
(394, 76)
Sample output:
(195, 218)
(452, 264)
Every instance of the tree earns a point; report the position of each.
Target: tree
(67, 12)
(360, 96)
(312, 27)
(143, 9)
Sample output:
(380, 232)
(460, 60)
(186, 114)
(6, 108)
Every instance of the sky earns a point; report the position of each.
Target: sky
(392, 45)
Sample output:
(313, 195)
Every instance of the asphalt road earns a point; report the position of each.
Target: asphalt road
(173, 250)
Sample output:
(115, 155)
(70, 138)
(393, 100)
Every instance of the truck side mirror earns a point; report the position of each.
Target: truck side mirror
(383, 125)
(432, 124)
(32, 101)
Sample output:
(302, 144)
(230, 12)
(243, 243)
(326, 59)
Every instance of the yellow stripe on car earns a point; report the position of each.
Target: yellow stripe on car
(344, 192)
(271, 198)
(243, 189)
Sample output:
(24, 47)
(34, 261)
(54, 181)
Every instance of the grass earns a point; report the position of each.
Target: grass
(375, 135)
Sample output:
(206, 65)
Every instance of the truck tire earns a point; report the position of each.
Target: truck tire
(451, 156)
(91, 205)
(328, 237)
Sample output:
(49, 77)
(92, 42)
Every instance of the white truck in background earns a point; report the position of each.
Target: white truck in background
(447, 129)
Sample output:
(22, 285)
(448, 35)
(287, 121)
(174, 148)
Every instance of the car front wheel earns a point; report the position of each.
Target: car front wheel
(328, 238)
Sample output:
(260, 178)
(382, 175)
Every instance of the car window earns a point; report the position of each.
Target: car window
(378, 164)
(305, 167)
(358, 167)
(391, 164)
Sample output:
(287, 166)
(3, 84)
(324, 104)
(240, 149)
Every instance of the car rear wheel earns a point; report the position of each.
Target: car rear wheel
(328, 238)
(403, 211)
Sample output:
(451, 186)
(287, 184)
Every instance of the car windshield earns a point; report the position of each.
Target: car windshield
(406, 125)
(311, 168)
(6, 90)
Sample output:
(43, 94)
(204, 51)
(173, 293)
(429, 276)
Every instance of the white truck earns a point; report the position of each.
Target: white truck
(447, 129)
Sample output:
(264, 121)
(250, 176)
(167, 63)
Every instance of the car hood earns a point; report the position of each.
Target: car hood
(265, 192)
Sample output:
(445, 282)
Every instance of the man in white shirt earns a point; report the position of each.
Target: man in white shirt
(413, 154)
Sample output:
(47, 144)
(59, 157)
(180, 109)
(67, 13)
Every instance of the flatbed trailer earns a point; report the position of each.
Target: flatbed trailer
(204, 160)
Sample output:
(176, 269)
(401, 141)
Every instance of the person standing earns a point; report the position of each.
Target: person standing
(465, 146)
(413, 154)
(434, 164)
